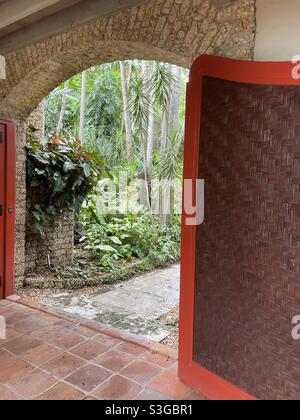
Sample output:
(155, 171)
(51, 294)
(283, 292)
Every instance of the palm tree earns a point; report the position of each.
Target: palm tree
(159, 85)
(82, 106)
(125, 70)
(170, 172)
(150, 92)
(175, 98)
(62, 109)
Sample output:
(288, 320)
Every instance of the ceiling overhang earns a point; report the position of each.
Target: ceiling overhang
(26, 22)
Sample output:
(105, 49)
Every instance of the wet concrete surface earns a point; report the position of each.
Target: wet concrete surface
(136, 305)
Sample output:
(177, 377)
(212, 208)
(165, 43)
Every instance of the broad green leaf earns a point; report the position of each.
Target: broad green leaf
(115, 240)
(106, 248)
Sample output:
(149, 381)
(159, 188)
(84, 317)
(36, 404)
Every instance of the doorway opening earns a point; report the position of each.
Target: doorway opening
(128, 117)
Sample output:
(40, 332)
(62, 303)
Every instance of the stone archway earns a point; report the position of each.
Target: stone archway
(174, 31)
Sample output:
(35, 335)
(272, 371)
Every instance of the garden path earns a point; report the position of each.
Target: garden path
(139, 306)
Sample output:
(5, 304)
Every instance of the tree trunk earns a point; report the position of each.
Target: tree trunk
(165, 125)
(145, 123)
(150, 140)
(60, 123)
(175, 100)
(170, 125)
(125, 77)
(164, 135)
(82, 106)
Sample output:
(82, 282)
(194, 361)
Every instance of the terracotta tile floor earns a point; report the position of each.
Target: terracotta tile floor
(49, 358)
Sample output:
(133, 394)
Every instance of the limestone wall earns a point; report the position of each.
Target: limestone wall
(21, 201)
(37, 118)
(174, 31)
(57, 246)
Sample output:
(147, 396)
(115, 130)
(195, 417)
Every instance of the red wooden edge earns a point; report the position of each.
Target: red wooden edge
(10, 207)
(194, 375)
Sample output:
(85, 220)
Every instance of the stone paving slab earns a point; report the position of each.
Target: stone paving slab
(135, 306)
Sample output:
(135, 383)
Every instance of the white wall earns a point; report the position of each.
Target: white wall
(278, 30)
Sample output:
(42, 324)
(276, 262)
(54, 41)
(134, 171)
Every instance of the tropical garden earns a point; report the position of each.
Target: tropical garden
(113, 152)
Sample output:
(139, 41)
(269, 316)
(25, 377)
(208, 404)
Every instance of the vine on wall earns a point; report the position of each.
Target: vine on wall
(60, 175)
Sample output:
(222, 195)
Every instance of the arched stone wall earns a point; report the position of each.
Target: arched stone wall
(174, 31)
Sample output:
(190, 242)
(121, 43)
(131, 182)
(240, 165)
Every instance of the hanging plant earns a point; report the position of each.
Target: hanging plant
(60, 175)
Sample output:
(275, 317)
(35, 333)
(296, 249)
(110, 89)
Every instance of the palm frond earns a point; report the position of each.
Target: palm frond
(139, 102)
(171, 165)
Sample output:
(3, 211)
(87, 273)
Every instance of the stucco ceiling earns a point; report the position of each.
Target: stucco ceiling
(24, 22)
(16, 14)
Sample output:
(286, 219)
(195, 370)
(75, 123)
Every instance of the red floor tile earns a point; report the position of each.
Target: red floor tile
(4, 355)
(41, 354)
(62, 392)
(169, 384)
(15, 317)
(88, 377)
(48, 333)
(63, 365)
(114, 360)
(21, 344)
(11, 334)
(67, 340)
(12, 367)
(141, 371)
(86, 332)
(65, 324)
(32, 323)
(174, 368)
(89, 350)
(42, 350)
(151, 395)
(4, 311)
(159, 359)
(168, 351)
(107, 340)
(7, 395)
(5, 303)
(195, 396)
(131, 349)
(118, 388)
(32, 384)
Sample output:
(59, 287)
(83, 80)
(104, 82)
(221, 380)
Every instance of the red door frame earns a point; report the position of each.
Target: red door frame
(8, 218)
(248, 72)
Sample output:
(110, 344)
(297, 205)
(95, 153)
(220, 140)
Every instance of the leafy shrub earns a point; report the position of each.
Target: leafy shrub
(60, 174)
(123, 238)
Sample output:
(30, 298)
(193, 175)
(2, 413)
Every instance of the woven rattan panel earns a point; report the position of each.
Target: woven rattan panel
(248, 249)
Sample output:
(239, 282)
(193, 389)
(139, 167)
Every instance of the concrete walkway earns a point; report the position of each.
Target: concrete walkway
(135, 306)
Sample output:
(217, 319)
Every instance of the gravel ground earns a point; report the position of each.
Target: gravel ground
(172, 319)
(40, 294)
(172, 340)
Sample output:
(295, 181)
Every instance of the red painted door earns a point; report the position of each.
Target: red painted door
(2, 202)
(7, 206)
(243, 139)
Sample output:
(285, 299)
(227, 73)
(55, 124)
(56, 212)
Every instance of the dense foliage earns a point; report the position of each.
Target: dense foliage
(132, 115)
(103, 111)
(115, 239)
(60, 174)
